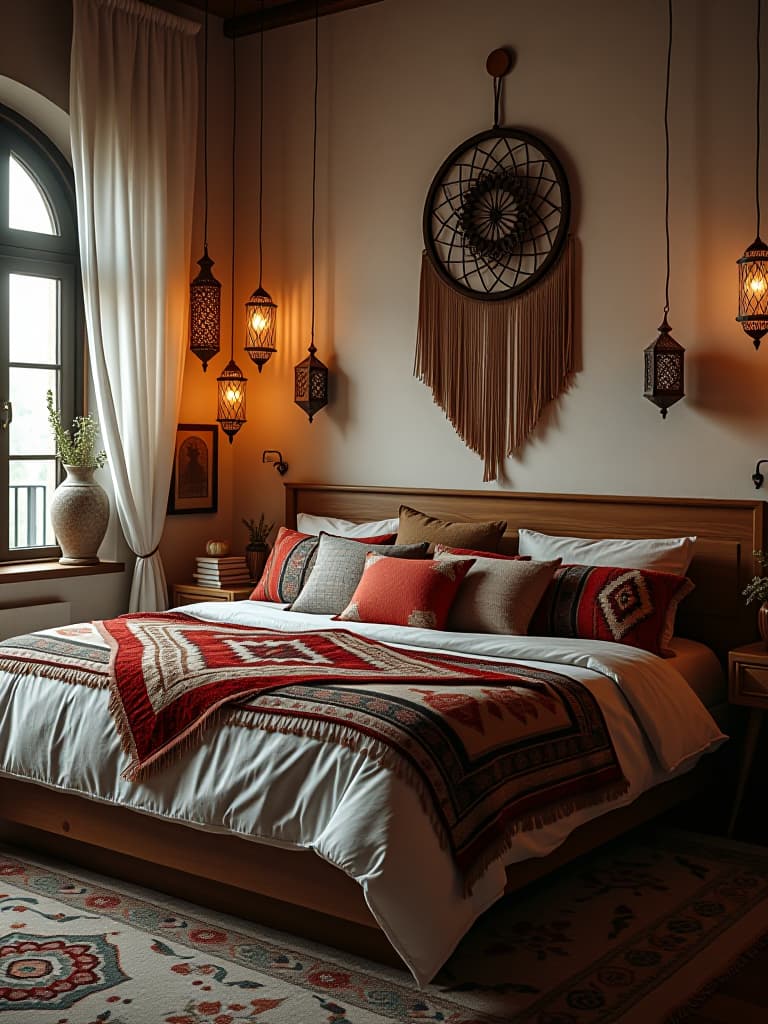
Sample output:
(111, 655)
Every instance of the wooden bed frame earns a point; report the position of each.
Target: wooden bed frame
(297, 890)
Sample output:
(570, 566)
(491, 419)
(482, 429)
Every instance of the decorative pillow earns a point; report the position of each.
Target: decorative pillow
(406, 593)
(344, 528)
(499, 595)
(416, 526)
(471, 553)
(627, 606)
(338, 568)
(290, 564)
(663, 554)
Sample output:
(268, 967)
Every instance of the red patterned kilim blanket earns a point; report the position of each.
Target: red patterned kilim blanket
(491, 747)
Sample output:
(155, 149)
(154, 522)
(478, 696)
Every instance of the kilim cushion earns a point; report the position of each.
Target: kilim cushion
(416, 526)
(627, 606)
(499, 595)
(662, 554)
(338, 568)
(400, 592)
(290, 564)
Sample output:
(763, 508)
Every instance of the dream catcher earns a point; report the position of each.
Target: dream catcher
(495, 336)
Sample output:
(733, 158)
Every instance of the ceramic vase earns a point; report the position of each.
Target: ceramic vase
(80, 514)
(256, 557)
(762, 621)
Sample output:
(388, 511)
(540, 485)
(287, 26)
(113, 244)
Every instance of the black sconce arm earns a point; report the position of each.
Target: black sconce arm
(757, 476)
(274, 457)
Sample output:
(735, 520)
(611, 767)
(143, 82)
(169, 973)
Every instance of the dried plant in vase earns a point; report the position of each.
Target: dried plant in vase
(257, 548)
(757, 590)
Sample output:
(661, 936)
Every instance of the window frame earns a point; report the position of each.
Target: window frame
(51, 256)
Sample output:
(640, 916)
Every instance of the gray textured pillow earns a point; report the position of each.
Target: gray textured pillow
(498, 595)
(338, 568)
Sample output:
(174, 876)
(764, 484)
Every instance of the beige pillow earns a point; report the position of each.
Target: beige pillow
(662, 554)
(416, 526)
(498, 596)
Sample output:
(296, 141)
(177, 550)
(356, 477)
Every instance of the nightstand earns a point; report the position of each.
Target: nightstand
(748, 686)
(191, 593)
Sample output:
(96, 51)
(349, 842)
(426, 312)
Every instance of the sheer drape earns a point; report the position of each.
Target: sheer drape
(133, 106)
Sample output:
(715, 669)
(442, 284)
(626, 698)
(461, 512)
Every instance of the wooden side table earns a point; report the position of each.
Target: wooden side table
(191, 593)
(748, 687)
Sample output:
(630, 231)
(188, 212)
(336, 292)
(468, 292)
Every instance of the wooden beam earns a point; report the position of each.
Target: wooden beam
(289, 13)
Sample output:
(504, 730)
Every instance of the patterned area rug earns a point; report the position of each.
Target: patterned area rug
(629, 934)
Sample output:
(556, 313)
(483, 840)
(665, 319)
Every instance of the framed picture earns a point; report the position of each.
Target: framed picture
(195, 478)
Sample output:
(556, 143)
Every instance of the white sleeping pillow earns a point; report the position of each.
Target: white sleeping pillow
(663, 554)
(316, 525)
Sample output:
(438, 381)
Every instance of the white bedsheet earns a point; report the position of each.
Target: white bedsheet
(298, 792)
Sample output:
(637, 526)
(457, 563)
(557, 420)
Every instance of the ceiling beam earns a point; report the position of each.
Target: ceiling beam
(288, 13)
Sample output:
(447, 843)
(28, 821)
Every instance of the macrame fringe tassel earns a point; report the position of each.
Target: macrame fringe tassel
(492, 367)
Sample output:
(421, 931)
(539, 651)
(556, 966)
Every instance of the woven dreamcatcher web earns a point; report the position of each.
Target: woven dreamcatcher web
(495, 334)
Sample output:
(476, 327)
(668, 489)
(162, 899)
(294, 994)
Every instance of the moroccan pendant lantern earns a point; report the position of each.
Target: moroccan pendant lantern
(232, 382)
(665, 357)
(205, 290)
(260, 325)
(310, 383)
(753, 265)
(260, 310)
(231, 408)
(664, 370)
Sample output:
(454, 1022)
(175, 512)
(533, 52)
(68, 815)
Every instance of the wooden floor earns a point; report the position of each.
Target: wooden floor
(741, 998)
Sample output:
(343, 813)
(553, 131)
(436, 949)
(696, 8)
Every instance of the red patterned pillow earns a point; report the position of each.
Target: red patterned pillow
(627, 606)
(291, 562)
(471, 553)
(406, 592)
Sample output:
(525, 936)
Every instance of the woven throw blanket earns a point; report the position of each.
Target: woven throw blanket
(491, 748)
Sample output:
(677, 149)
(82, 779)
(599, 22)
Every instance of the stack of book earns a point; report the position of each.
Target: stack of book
(222, 571)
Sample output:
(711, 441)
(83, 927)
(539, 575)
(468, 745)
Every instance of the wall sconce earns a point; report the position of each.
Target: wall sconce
(757, 476)
(276, 459)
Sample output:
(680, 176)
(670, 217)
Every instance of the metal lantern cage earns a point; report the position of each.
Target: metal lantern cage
(664, 370)
(260, 325)
(753, 291)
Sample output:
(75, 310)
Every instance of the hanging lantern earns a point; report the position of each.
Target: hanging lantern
(205, 290)
(232, 384)
(310, 390)
(260, 324)
(753, 265)
(753, 291)
(204, 312)
(310, 376)
(664, 370)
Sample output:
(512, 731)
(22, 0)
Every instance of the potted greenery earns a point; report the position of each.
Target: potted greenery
(80, 506)
(757, 590)
(257, 549)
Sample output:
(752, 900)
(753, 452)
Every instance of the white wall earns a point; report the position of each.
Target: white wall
(402, 84)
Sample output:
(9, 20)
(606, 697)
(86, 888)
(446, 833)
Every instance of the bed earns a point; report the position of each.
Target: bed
(352, 885)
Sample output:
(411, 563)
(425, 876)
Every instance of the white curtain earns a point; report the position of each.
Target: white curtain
(133, 107)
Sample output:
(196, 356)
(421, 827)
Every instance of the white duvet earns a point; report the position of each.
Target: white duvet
(298, 792)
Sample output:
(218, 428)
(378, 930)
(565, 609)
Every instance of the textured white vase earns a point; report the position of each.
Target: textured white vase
(80, 514)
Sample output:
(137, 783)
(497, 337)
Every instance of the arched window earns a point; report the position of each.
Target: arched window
(40, 328)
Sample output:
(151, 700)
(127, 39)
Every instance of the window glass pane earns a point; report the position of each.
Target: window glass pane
(29, 432)
(33, 318)
(27, 206)
(29, 503)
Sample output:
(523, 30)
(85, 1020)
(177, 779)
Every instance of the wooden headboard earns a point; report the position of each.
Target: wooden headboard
(728, 532)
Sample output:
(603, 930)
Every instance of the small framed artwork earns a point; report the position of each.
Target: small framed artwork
(195, 477)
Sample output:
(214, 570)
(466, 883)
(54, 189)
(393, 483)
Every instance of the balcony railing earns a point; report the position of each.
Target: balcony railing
(28, 515)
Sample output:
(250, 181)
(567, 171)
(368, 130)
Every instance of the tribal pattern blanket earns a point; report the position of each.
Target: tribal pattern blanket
(491, 747)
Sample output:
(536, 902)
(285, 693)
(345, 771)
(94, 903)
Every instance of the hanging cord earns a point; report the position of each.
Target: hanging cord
(205, 130)
(666, 161)
(261, 133)
(496, 101)
(314, 179)
(757, 123)
(234, 152)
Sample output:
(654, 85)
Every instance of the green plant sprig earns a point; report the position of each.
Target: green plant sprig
(76, 446)
(258, 531)
(757, 588)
